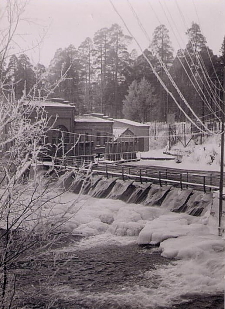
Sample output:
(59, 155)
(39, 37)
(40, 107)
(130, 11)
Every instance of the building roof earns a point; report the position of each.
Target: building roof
(118, 132)
(48, 104)
(89, 118)
(130, 122)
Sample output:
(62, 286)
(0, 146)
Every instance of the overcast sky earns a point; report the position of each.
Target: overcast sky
(68, 22)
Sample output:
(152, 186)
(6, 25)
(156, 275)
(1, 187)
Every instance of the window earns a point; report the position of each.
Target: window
(98, 139)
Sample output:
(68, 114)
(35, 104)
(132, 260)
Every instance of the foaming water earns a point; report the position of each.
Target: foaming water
(124, 275)
(114, 272)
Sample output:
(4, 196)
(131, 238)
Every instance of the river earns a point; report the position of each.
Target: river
(96, 273)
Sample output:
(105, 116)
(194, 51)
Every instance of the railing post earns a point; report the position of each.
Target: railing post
(122, 173)
(106, 170)
(160, 182)
(140, 177)
(204, 184)
(146, 174)
(181, 184)
(210, 182)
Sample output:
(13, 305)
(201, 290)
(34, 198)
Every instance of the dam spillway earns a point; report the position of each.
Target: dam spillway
(175, 199)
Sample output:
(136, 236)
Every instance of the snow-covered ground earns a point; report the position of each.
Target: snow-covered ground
(194, 156)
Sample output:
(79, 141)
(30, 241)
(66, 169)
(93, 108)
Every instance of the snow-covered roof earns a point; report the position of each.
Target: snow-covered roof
(89, 118)
(119, 131)
(48, 103)
(130, 122)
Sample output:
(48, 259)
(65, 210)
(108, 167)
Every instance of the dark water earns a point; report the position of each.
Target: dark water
(103, 269)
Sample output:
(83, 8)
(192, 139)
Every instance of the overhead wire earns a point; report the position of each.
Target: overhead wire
(168, 74)
(200, 65)
(198, 56)
(207, 78)
(154, 71)
(202, 94)
(217, 77)
(183, 53)
(82, 137)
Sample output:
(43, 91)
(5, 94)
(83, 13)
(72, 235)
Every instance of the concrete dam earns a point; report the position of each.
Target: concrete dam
(188, 200)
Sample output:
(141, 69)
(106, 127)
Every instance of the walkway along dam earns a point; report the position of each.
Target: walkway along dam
(113, 185)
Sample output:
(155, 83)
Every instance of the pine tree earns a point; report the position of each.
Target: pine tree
(86, 60)
(161, 46)
(111, 60)
(67, 62)
(162, 50)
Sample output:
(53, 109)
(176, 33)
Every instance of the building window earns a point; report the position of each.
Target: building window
(86, 137)
(98, 139)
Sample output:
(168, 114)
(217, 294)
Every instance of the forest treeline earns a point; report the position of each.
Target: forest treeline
(103, 76)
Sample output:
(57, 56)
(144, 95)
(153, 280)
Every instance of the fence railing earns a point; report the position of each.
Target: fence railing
(205, 182)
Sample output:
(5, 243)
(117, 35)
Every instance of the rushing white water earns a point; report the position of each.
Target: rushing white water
(199, 253)
(198, 263)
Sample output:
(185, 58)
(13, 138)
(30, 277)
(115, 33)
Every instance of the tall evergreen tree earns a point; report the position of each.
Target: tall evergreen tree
(20, 76)
(86, 60)
(101, 48)
(26, 76)
(194, 71)
(118, 60)
(66, 62)
(40, 81)
(196, 40)
(111, 59)
(161, 48)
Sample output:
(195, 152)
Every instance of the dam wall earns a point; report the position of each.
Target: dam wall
(175, 199)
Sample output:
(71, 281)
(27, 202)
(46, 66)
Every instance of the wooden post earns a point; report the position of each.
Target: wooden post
(140, 177)
(204, 184)
(169, 137)
(122, 173)
(210, 182)
(106, 170)
(181, 184)
(221, 157)
(160, 182)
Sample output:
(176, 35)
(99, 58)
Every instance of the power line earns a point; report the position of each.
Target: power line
(154, 71)
(198, 56)
(204, 98)
(183, 53)
(166, 70)
(221, 86)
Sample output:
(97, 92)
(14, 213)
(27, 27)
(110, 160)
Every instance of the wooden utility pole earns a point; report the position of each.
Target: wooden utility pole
(221, 159)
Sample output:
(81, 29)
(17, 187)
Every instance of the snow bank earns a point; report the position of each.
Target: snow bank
(195, 156)
(189, 247)
(166, 226)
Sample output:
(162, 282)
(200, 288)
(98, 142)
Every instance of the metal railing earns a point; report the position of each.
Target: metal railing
(203, 181)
